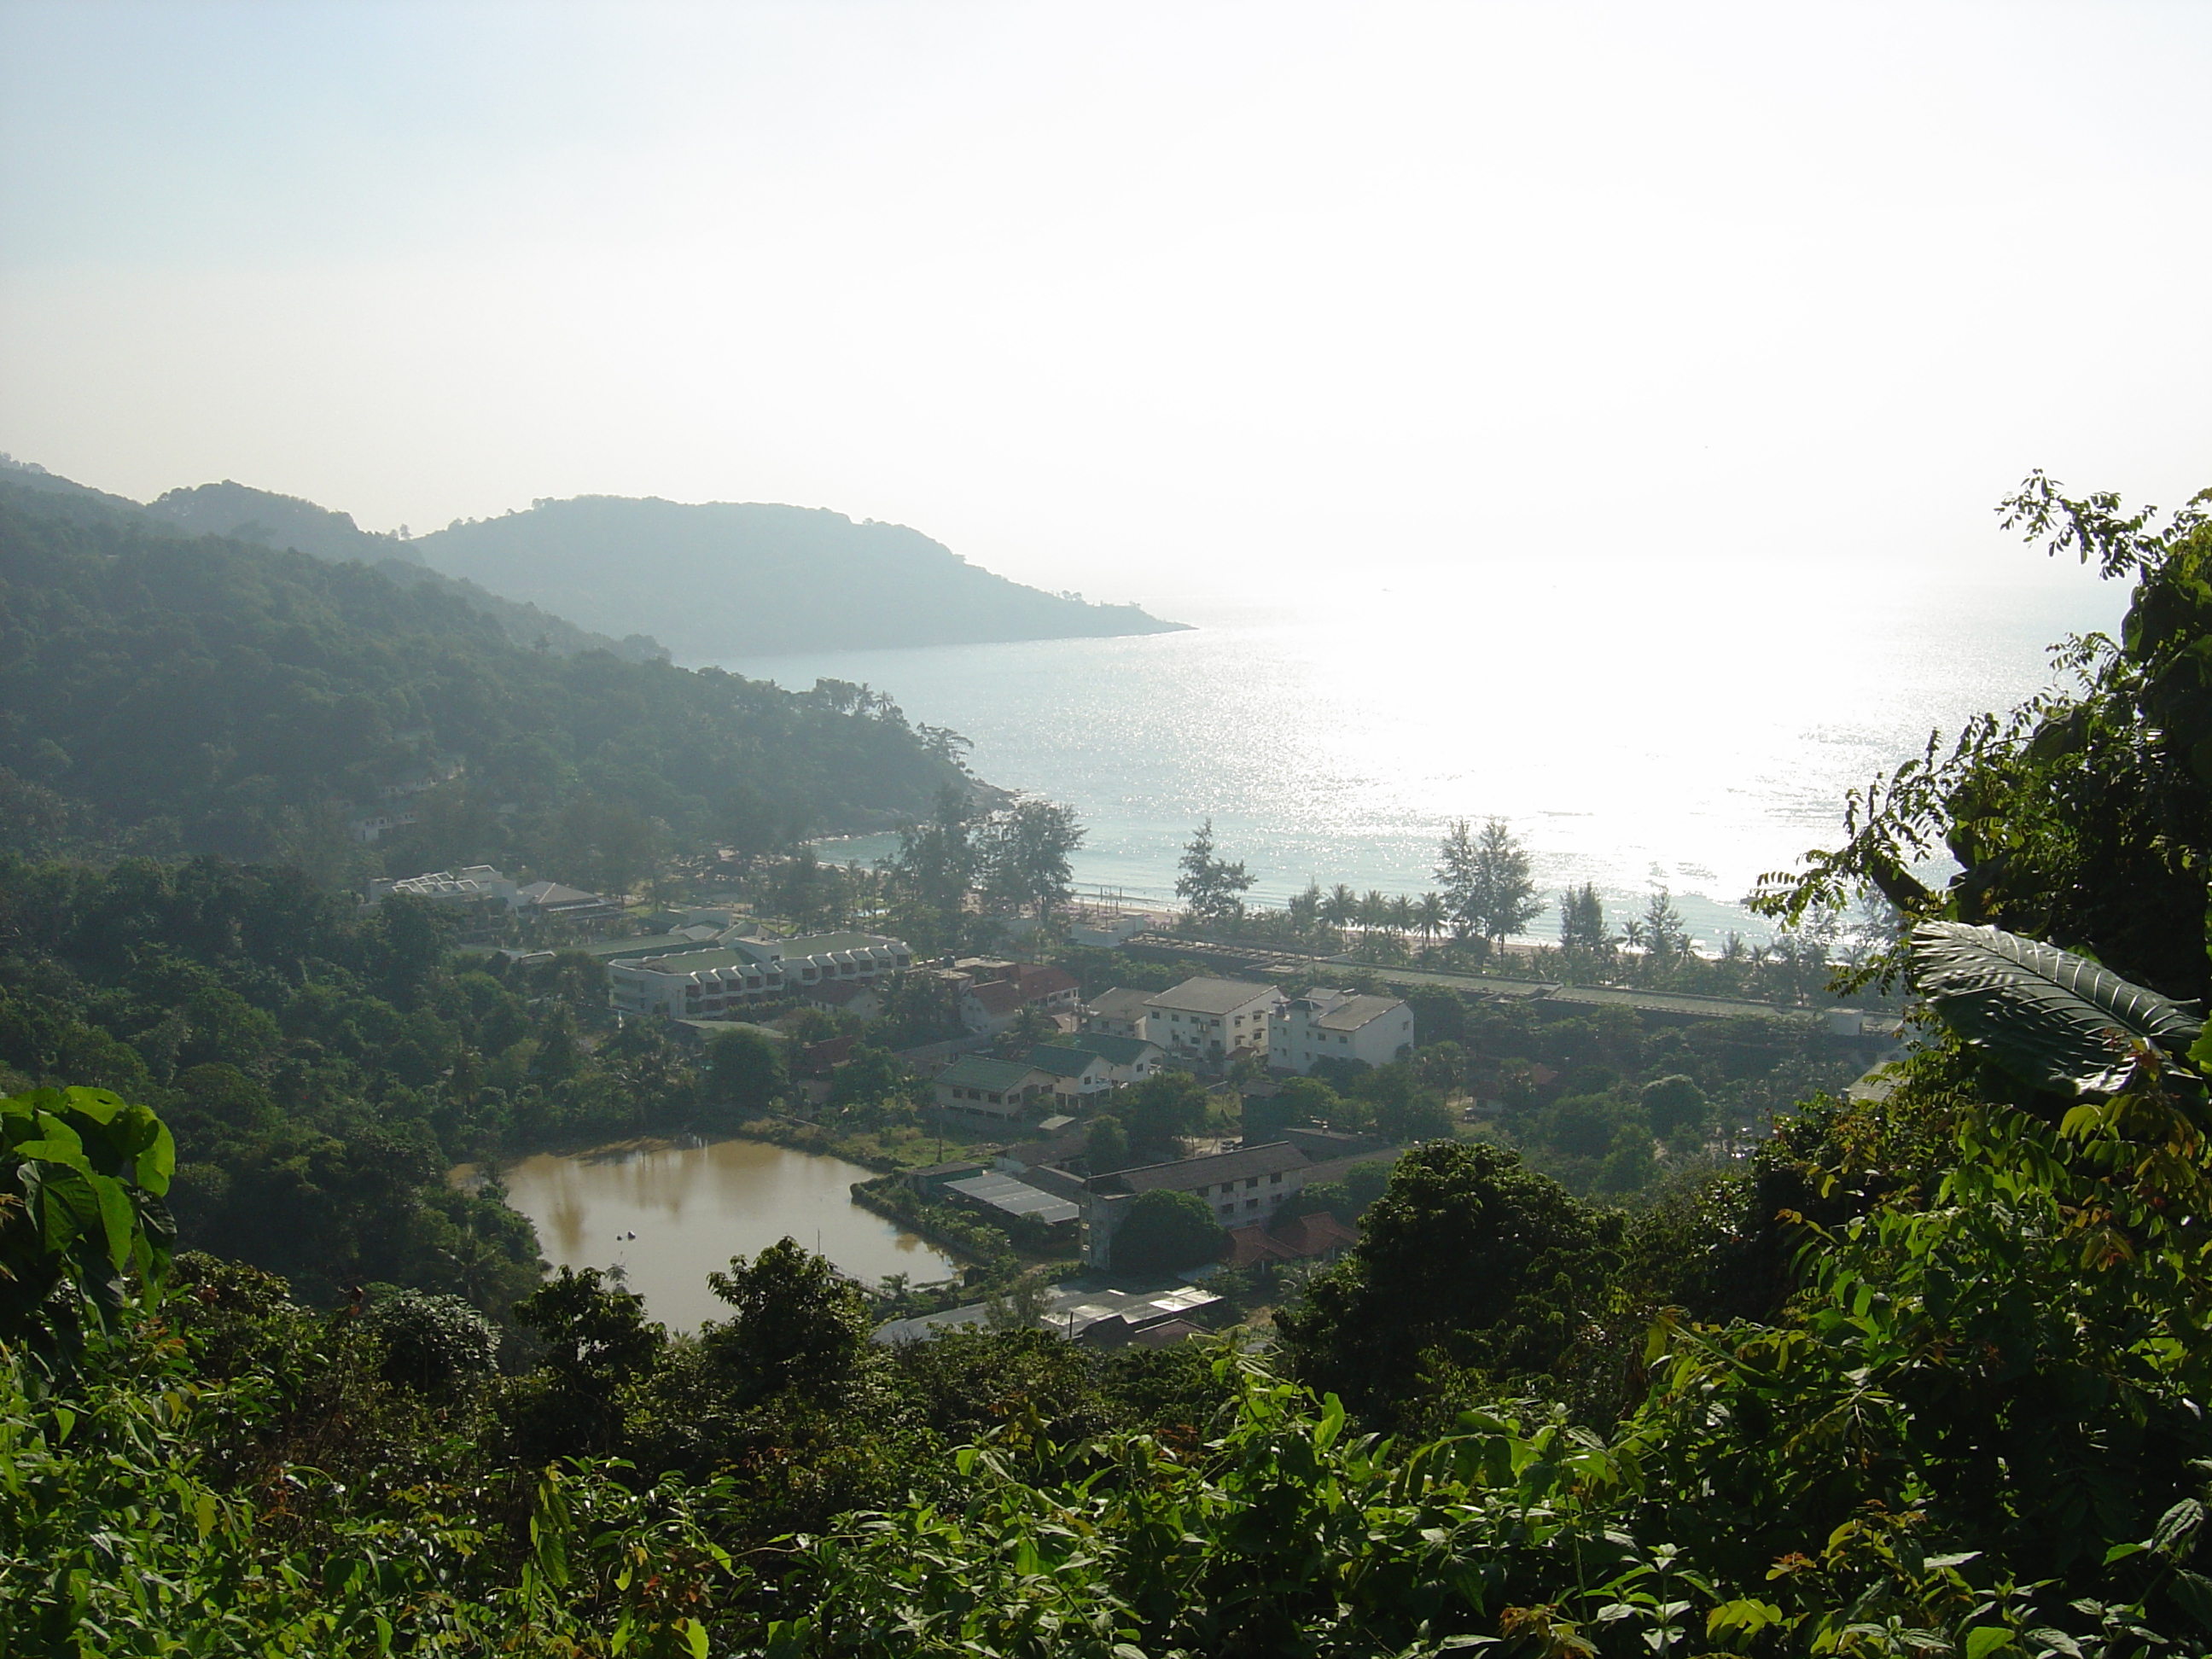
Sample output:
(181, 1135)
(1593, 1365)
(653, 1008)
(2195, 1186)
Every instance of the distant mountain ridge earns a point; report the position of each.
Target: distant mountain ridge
(643, 577)
(723, 580)
(264, 518)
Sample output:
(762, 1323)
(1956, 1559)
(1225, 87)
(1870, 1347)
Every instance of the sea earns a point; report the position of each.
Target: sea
(1683, 728)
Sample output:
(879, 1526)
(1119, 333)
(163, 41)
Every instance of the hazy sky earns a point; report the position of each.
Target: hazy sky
(1147, 300)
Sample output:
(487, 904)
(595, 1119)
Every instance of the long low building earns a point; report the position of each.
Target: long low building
(687, 983)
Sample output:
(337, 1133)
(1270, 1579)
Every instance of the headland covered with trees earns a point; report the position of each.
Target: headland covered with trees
(1678, 1346)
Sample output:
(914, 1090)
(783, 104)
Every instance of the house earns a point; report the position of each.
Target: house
(1317, 1238)
(990, 1006)
(550, 898)
(979, 1086)
(1339, 1025)
(687, 982)
(1117, 1012)
(846, 996)
(1210, 1019)
(1076, 1073)
(1129, 1060)
(1246, 1186)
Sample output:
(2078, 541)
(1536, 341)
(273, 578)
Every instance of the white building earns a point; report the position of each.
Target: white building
(1339, 1025)
(979, 1086)
(475, 885)
(1210, 1019)
(1118, 1012)
(1240, 1187)
(686, 984)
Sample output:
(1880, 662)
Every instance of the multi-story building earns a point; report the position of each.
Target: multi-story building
(1117, 1012)
(686, 984)
(1210, 1019)
(1339, 1025)
(1240, 1187)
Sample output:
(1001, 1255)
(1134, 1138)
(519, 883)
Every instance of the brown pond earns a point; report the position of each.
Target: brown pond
(692, 1207)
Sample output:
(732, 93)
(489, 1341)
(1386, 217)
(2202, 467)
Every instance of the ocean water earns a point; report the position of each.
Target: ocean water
(1637, 729)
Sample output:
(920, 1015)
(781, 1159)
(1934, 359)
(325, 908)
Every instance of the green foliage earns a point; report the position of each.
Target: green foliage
(2053, 1019)
(1212, 889)
(1672, 1103)
(81, 1176)
(1468, 1261)
(2084, 816)
(1166, 1232)
(1105, 1145)
(1158, 1113)
(220, 695)
(799, 1323)
(431, 1341)
(744, 1071)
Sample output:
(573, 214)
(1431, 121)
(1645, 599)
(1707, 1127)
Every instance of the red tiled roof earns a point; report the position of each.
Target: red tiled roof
(999, 997)
(1036, 981)
(1296, 1240)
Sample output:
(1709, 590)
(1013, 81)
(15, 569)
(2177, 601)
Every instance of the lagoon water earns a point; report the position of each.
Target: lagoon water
(695, 1207)
(1686, 729)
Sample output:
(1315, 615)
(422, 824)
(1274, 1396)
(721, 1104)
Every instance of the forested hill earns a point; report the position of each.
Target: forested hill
(209, 695)
(726, 579)
(267, 519)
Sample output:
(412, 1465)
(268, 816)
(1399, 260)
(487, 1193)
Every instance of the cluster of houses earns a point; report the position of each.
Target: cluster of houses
(1246, 1187)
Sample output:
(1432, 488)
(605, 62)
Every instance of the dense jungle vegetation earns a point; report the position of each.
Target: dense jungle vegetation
(1922, 1375)
(163, 694)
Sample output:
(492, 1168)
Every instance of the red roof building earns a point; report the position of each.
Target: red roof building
(1318, 1237)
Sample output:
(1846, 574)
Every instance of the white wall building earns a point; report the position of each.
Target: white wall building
(1339, 1025)
(1210, 1019)
(688, 984)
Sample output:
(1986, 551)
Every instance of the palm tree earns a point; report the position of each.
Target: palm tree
(1374, 910)
(1402, 915)
(1431, 916)
(1341, 908)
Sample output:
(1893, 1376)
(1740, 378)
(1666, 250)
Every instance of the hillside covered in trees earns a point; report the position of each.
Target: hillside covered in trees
(1922, 1375)
(722, 580)
(167, 694)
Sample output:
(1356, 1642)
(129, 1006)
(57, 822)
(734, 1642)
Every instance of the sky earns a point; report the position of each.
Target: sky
(1189, 303)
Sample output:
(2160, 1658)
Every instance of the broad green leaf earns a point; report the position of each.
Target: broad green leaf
(2175, 1535)
(2048, 1017)
(1986, 1639)
(1332, 1423)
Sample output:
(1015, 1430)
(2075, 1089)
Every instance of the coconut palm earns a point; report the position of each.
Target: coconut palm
(1374, 910)
(1402, 915)
(1341, 908)
(1432, 916)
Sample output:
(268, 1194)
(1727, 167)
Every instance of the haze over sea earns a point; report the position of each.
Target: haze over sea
(1638, 728)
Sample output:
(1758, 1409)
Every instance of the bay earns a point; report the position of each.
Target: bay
(1639, 728)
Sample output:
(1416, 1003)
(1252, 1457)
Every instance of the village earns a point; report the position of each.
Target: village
(1018, 1086)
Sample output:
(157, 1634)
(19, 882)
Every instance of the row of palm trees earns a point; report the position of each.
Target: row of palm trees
(1375, 911)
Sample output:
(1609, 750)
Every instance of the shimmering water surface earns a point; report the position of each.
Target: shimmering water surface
(695, 1207)
(1638, 729)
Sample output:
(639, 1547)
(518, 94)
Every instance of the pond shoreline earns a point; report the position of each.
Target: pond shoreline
(659, 1214)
